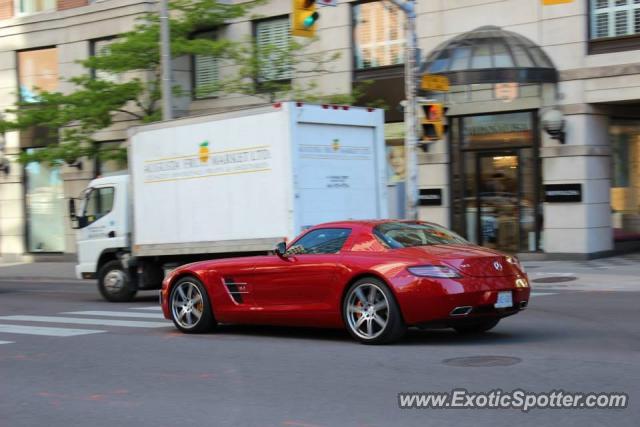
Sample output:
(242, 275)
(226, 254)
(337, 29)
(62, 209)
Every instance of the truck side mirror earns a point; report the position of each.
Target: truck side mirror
(76, 221)
(281, 249)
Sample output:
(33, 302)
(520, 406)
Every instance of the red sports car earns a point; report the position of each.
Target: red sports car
(376, 278)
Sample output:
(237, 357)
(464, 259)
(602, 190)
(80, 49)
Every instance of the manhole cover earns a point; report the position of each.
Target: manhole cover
(482, 361)
(554, 279)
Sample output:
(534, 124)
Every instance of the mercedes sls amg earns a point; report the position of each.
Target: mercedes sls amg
(374, 278)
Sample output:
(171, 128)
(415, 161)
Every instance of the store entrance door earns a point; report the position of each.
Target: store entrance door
(495, 190)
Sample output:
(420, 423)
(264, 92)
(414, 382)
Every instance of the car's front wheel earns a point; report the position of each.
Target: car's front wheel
(371, 313)
(190, 308)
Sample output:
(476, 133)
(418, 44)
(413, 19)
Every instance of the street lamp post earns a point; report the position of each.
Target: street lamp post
(165, 61)
(410, 109)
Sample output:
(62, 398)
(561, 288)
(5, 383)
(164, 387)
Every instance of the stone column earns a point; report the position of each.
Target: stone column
(433, 173)
(581, 229)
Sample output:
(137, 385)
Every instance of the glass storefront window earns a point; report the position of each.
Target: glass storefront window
(495, 181)
(45, 208)
(625, 178)
(37, 70)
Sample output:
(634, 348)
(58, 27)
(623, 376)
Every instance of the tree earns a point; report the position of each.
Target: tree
(72, 119)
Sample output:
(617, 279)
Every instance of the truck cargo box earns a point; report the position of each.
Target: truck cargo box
(243, 180)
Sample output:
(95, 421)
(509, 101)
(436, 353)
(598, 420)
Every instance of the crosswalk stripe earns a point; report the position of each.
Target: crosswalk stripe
(6, 342)
(541, 294)
(117, 314)
(154, 308)
(79, 321)
(51, 332)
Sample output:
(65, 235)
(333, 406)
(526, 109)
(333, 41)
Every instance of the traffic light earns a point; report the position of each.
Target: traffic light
(433, 127)
(304, 18)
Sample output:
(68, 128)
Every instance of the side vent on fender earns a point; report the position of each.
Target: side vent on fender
(235, 289)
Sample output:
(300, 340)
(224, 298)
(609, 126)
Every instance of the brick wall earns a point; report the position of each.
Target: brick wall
(6, 9)
(69, 4)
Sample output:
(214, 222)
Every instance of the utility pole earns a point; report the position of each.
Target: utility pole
(165, 61)
(410, 108)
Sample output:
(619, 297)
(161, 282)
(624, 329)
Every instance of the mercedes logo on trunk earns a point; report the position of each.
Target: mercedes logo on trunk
(497, 265)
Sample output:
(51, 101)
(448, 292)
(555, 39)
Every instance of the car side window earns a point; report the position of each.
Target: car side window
(99, 203)
(321, 241)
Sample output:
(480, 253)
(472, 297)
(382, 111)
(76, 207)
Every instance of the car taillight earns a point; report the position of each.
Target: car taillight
(515, 261)
(440, 271)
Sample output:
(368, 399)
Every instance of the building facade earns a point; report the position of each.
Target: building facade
(542, 155)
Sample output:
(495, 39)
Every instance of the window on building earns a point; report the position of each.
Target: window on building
(614, 18)
(37, 70)
(205, 71)
(273, 38)
(625, 178)
(111, 157)
(378, 34)
(101, 47)
(45, 208)
(35, 6)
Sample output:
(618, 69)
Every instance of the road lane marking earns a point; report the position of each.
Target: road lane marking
(46, 331)
(547, 273)
(79, 321)
(155, 308)
(541, 294)
(6, 342)
(117, 314)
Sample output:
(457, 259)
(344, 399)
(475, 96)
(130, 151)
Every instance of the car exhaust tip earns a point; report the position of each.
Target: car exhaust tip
(524, 305)
(461, 311)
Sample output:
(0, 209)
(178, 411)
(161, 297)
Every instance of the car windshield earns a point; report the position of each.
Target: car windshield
(407, 234)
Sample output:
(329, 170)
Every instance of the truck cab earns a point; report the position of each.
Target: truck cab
(102, 222)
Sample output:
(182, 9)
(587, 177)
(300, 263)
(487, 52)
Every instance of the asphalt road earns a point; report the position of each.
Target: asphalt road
(148, 374)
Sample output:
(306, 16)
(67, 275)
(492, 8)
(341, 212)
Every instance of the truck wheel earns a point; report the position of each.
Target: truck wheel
(190, 307)
(114, 283)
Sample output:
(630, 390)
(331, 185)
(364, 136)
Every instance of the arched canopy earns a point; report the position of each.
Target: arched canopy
(490, 54)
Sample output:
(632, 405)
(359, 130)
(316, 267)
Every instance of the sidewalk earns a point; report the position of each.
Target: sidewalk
(625, 268)
(38, 271)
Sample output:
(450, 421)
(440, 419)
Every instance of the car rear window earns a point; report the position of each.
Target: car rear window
(408, 234)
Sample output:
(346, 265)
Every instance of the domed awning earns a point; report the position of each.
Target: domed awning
(490, 55)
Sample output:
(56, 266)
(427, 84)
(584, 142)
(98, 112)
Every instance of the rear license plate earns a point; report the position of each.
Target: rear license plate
(505, 299)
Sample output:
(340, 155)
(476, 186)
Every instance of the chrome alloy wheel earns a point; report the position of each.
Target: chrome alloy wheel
(114, 281)
(367, 311)
(187, 305)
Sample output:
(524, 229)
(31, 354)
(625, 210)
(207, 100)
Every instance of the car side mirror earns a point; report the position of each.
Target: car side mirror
(281, 249)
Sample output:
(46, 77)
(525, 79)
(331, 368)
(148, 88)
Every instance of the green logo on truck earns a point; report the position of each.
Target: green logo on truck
(203, 153)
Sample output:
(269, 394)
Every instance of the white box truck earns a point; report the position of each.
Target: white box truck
(228, 184)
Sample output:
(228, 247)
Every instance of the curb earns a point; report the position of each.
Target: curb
(42, 279)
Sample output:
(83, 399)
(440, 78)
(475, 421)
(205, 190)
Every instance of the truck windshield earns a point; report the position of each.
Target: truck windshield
(408, 234)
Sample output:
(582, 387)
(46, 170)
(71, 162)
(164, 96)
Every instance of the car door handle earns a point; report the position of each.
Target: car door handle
(111, 234)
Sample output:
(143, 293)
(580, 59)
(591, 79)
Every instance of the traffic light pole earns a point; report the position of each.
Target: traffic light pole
(410, 109)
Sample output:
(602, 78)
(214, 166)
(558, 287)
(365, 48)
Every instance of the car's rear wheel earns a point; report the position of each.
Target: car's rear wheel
(371, 313)
(477, 326)
(190, 307)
